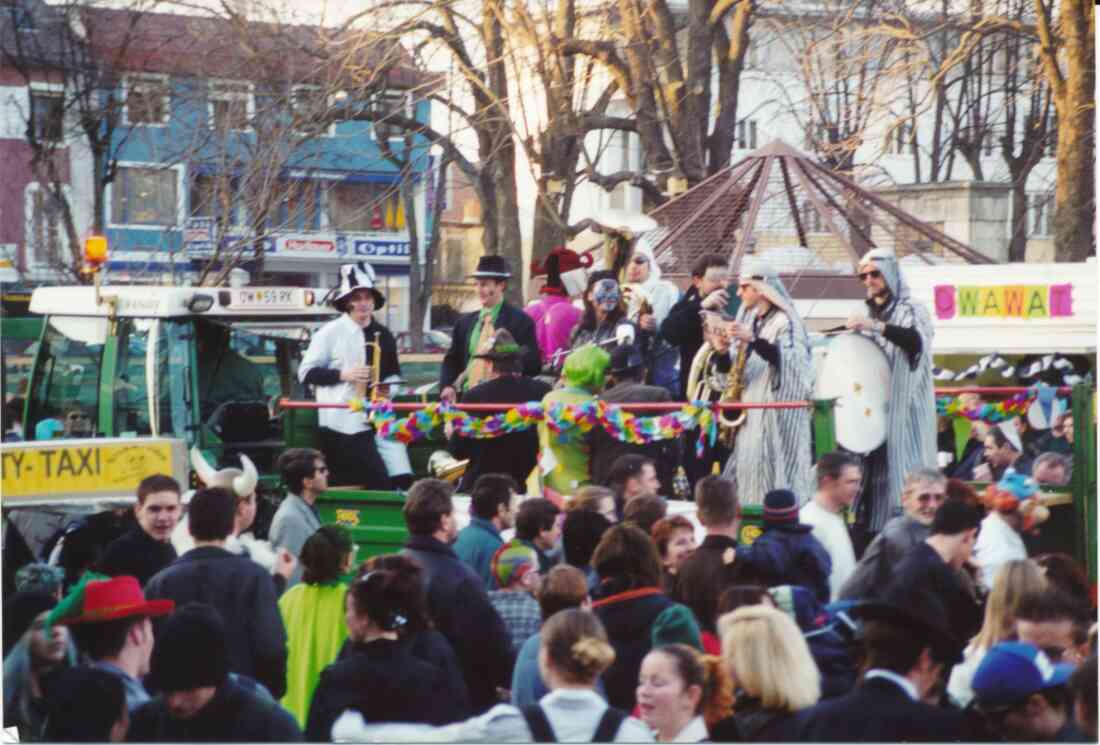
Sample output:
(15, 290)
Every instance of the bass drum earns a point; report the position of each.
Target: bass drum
(853, 370)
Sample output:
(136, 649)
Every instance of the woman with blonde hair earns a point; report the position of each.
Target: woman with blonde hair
(592, 498)
(682, 693)
(774, 675)
(1014, 580)
(573, 654)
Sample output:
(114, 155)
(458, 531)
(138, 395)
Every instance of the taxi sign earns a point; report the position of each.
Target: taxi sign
(38, 472)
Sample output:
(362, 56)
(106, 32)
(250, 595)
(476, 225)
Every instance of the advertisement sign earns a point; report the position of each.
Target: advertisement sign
(375, 249)
(1003, 301)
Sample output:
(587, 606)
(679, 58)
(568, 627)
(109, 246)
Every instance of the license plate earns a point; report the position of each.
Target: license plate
(267, 297)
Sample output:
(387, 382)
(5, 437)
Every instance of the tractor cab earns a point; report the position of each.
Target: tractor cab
(204, 365)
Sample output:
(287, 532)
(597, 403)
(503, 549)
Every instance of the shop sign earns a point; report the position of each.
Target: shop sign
(381, 249)
(1026, 302)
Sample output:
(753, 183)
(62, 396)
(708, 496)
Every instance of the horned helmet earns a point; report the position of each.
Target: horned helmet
(240, 482)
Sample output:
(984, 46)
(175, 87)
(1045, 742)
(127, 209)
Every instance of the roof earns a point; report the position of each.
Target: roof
(778, 198)
(172, 302)
(208, 46)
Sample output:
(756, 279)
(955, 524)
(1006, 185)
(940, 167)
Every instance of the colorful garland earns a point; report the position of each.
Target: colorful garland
(1009, 408)
(565, 421)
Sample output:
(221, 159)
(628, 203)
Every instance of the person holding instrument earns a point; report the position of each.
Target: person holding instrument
(342, 362)
(772, 448)
(902, 328)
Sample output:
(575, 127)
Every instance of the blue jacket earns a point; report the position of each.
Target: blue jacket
(476, 544)
(792, 556)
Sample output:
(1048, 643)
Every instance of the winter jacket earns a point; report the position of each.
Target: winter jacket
(239, 712)
(476, 544)
(509, 317)
(792, 556)
(628, 618)
(384, 682)
(244, 594)
(136, 554)
(459, 607)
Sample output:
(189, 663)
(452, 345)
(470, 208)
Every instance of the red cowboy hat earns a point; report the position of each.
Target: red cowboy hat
(112, 599)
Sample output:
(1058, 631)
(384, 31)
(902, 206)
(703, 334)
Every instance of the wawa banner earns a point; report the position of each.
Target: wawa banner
(1026, 302)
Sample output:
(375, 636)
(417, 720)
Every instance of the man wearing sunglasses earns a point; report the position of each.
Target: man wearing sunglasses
(772, 450)
(903, 329)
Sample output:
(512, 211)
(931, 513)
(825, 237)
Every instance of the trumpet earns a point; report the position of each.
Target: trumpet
(636, 302)
(372, 386)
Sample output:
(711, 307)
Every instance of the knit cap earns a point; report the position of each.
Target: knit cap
(190, 650)
(513, 560)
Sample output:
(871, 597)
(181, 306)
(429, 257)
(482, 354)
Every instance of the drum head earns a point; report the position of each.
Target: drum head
(856, 373)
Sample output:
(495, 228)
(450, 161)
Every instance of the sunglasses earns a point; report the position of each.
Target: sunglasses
(873, 274)
(640, 260)
(925, 498)
(77, 417)
(322, 469)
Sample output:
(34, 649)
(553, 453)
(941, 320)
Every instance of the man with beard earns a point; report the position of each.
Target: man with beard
(902, 328)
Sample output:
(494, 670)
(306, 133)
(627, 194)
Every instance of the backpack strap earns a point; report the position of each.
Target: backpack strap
(609, 725)
(541, 731)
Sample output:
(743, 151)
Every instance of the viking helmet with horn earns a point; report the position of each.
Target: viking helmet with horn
(240, 482)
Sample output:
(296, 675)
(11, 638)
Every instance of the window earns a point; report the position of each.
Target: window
(217, 197)
(144, 196)
(905, 140)
(147, 100)
(360, 208)
(43, 229)
(131, 395)
(47, 115)
(70, 358)
(987, 142)
(309, 110)
(1052, 137)
(1038, 209)
(300, 208)
(746, 134)
(392, 101)
(230, 105)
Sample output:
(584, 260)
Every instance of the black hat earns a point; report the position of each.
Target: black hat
(920, 611)
(624, 358)
(781, 511)
(504, 347)
(190, 650)
(492, 267)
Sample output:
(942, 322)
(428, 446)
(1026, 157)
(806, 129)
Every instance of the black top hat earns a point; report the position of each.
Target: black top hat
(625, 358)
(920, 611)
(492, 267)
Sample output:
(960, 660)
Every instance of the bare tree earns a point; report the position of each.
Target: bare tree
(81, 60)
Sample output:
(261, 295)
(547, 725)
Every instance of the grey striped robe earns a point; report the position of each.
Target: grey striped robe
(772, 450)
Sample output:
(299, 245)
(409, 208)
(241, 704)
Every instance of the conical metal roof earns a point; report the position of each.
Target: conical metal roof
(777, 197)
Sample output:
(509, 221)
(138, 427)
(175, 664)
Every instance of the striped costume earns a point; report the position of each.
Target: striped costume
(773, 449)
(911, 425)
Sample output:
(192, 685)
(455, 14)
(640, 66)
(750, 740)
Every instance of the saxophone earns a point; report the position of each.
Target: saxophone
(735, 386)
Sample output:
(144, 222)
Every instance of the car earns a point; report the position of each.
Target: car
(435, 342)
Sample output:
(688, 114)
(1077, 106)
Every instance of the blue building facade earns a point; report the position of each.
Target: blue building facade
(209, 168)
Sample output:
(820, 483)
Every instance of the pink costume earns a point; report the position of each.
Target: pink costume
(554, 317)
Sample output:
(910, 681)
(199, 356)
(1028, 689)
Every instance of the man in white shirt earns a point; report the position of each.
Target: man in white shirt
(1014, 508)
(838, 478)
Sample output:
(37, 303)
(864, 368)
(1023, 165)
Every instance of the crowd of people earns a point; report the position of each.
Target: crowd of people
(601, 620)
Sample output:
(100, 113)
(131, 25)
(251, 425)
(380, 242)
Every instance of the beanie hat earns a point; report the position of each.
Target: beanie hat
(511, 561)
(190, 651)
(585, 367)
(781, 511)
(1017, 492)
(677, 625)
(1012, 671)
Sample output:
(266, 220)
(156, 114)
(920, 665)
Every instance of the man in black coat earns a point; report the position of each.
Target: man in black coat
(147, 548)
(934, 564)
(239, 588)
(908, 647)
(683, 326)
(514, 454)
(626, 373)
(457, 600)
(459, 371)
(200, 700)
(787, 553)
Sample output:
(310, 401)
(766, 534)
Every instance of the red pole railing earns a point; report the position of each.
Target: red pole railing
(286, 403)
(1006, 390)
